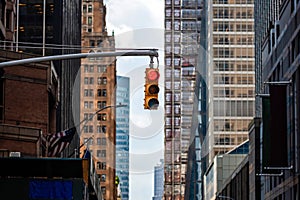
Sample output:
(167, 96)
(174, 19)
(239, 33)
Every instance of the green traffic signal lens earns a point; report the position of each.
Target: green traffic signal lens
(153, 103)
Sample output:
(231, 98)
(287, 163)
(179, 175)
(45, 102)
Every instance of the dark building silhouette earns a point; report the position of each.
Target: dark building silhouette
(54, 29)
(277, 50)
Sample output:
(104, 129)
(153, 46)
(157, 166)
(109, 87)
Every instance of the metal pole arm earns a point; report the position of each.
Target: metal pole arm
(150, 52)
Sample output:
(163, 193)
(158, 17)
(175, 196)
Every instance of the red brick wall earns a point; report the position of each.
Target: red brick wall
(26, 97)
(26, 106)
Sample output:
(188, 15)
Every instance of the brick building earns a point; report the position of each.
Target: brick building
(29, 97)
(98, 90)
(28, 100)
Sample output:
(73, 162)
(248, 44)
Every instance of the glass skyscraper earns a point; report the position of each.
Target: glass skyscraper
(159, 181)
(122, 135)
(182, 39)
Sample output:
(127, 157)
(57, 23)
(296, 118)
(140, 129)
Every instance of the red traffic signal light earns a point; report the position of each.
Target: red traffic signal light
(151, 89)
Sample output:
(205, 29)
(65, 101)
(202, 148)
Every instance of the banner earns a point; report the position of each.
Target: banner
(278, 111)
(274, 118)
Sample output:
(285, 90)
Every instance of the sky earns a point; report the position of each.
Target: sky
(140, 24)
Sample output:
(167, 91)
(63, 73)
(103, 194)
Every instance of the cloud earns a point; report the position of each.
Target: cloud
(125, 15)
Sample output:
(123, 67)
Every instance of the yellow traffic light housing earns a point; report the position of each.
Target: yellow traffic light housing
(151, 89)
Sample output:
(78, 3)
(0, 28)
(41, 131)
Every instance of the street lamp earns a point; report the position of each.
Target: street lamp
(89, 119)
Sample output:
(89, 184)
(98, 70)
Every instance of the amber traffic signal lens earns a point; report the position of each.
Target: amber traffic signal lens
(153, 89)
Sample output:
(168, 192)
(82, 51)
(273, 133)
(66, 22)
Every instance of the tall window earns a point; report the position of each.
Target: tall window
(90, 8)
(90, 21)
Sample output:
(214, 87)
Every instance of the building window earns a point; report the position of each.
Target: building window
(102, 80)
(91, 104)
(90, 20)
(85, 129)
(88, 92)
(101, 104)
(92, 43)
(101, 68)
(101, 153)
(176, 62)
(91, 92)
(177, 97)
(90, 8)
(98, 153)
(102, 117)
(88, 129)
(86, 104)
(86, 68)
(103, 141)
(168, 25)
(101, 92)
(91, 68)
(168, 85)
(91, 80)
(168, 133)
(86, 80)
(101, 165)
(84, 9)
(91, 129)
(98, 141)
(101, 129)
(168, 121)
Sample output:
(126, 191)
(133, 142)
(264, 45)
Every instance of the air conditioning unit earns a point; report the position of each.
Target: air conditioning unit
(15, 154)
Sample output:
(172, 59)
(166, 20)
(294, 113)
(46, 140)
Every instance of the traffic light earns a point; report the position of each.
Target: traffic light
(151, 89)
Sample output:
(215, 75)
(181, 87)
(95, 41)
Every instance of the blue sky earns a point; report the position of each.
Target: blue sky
(139, 24)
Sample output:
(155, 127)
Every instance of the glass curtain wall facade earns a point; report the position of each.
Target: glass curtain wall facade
(159, 181)
(122, 135)
(32, 33)
(98, 90)
(230, 73)
(182, 35)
